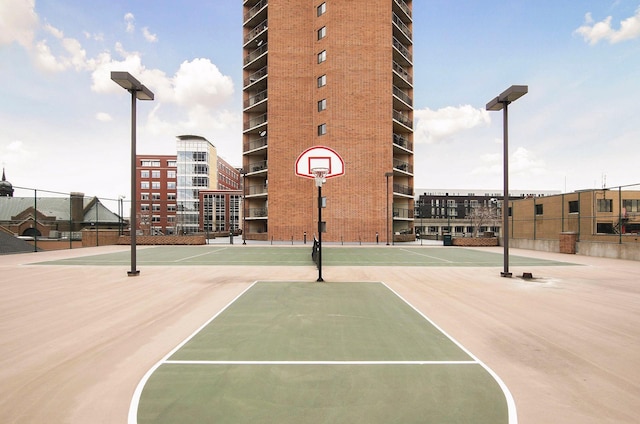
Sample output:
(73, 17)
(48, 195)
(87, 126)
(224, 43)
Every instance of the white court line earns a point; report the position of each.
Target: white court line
(511, 404)
(135, 400)
(426, 256)
(321, 362)
(201, 254)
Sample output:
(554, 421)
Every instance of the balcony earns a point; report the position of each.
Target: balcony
(403, 166)
(405, 31)
(401, 76)
(255, 122)
(402, 141)
(403, 189)
(256, 144)
(256, 54)
(402, 96)
(401, 213)
(401, 7)
(257, 213)
(257, 190)
(258, 9)
(403, 119)
(259, 29)
(255, 101)
(403, 54)
(260, 166)
(255, 77)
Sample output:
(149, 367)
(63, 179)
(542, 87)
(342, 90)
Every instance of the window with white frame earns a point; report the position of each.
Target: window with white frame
(322, 81)
(322, 56)
(322, 32)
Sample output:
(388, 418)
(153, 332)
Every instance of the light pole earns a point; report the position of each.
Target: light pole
(140, 92)
(387, 175)
(502, 102)
(244, 210)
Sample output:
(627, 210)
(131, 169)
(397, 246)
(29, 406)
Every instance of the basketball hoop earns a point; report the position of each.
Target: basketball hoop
(319, 174)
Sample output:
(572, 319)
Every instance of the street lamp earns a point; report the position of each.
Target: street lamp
(387, 175)
(140, 92)
(501, 102)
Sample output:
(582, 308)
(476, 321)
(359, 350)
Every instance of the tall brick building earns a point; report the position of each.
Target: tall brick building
(333, 73)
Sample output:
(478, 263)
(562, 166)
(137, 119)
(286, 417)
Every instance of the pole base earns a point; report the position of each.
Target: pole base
(506, 274)
(133, 273)
(320, 280)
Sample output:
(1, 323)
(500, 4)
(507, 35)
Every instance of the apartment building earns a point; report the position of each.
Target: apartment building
(156, 193)
(336, 74)
(169, 186)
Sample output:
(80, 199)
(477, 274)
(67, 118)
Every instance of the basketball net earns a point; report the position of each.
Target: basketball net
(320, 174)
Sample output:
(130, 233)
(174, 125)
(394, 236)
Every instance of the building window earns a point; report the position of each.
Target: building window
(322, 32)
(322, 9)
(604, 205)
(322, 105)
(155, 196)
(322, 56)
(144, 185)
(322, 81)
(171, 185)
(144, 207)
(171, 196)
(574, 206)
(144, 196)
(144, 174)
(155, 185)
(631, 205)
(155, 174)
(151, 163)
(538, 209)
(172, 163)
(322, 129)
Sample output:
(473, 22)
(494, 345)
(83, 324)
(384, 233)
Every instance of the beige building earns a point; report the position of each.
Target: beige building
(605, 216)
(336, 74)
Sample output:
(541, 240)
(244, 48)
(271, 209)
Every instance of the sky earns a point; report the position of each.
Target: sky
(65, 126)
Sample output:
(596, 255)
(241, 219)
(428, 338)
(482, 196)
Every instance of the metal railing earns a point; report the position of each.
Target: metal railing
(402, 49)
(255, 144)
(402, 72)
(403, 27)
(255, 10)
(402, 118)
(402, 96)
(259, 29)
(254, 122)
(255, 99)
(255, 54)
(255, 76)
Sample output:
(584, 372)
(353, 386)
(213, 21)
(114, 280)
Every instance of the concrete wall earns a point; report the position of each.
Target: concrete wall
(628, 251)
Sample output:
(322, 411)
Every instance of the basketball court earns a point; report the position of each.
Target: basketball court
(440, 337)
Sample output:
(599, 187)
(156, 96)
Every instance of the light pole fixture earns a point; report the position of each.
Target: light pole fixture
(140, 92)
(502, 102)
(387, 175)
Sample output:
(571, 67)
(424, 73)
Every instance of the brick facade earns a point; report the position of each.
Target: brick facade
(359, 113)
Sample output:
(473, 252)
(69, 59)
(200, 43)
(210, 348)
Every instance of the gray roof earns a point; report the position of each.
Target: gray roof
(56, 207)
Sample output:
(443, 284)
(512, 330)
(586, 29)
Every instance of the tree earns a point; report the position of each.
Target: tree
(481, 216)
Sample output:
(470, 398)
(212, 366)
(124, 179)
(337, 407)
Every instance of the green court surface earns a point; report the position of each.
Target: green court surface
(301, 256)
(291, 352)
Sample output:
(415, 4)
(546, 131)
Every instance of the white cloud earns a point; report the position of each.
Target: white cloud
(44, 59)
(152, 38)
(522, 163)
(18, 22)
(434, 126)
(103, 117)
(593, 32)
(129, 19)
(200, 82)
(14, 152)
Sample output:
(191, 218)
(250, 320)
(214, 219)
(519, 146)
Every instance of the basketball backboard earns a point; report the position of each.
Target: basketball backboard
(319, 157)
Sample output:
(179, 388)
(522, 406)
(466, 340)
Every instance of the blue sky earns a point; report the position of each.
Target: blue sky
(64, 125)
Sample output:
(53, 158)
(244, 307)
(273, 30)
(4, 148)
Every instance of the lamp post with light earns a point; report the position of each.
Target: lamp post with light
(140, 92)
(502, 102)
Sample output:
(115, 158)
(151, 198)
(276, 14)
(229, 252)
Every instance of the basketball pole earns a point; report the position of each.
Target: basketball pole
(319, 233)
